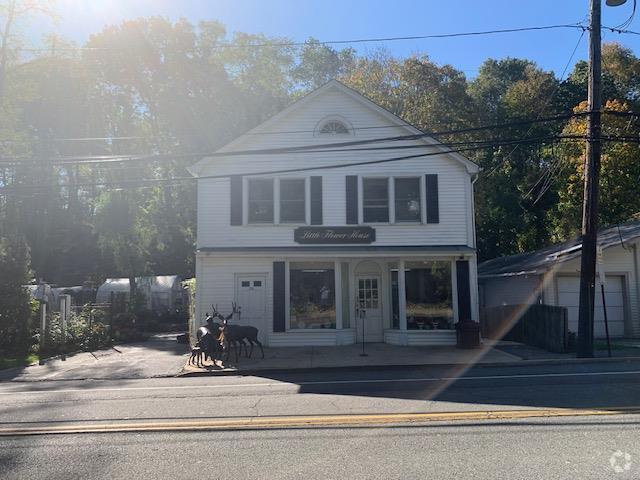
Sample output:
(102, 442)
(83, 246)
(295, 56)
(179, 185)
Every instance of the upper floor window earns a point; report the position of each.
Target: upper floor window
(375, 200)
(292, 200)
(407, 199)
(392, 200)
(276, 200)
(260, 200)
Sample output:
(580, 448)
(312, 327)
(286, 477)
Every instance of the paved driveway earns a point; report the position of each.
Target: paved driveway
(160, 356)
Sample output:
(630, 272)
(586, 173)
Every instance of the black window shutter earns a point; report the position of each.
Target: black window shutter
(279, 294)
(316, 200)
(235, 199)
(352, 199)
(433, 213)
(464, 290)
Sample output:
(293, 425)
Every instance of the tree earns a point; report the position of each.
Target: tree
(123, 235)
(619, 175)
(318, 63)
(511, 201)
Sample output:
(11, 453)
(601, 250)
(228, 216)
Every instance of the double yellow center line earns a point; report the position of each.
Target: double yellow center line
(257, 423)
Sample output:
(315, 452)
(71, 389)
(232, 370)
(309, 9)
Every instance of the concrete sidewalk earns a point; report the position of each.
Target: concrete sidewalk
(383, 355)
(159, 356)
(378, 354)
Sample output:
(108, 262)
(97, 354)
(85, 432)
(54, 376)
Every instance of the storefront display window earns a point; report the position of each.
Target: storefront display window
(429, 295)
(312, 295)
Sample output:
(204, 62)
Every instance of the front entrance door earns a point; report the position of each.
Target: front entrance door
(368, 290)
(251, 296)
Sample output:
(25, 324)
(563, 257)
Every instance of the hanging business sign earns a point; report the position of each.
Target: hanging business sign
(334, 235)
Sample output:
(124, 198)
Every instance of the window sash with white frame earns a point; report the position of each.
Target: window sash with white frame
(293, 200)
(407, 200)
(375, 200)
(260, 200)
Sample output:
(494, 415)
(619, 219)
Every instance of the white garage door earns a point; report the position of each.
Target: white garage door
(568, 296)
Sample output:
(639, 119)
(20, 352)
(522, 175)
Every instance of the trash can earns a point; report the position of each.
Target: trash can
(467, 334)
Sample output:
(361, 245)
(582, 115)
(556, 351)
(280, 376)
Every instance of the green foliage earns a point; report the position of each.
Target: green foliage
(153, 85)
(16, 311)
(86, 331)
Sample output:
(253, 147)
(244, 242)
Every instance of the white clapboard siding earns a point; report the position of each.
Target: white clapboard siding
(519, 290)
(216, 284)
(214, 229)
(454, 181)
(419, 338)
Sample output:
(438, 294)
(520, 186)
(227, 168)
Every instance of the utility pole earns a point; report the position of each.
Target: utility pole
(591, 184)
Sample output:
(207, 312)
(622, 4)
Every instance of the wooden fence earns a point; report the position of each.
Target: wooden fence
(542, 326)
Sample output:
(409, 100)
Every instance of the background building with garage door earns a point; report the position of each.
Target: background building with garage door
(552, 276)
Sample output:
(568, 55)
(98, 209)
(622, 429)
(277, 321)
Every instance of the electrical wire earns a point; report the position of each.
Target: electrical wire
(577, 25)
(511, 123)
(299, 149)
(548, 99)
(249, 174)
(629, 20)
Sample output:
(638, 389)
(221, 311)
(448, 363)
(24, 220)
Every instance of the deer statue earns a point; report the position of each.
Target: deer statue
(237, 334)
(227, 341)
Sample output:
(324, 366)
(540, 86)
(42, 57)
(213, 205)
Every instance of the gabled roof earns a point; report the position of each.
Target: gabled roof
(540, 261)
(393, 119)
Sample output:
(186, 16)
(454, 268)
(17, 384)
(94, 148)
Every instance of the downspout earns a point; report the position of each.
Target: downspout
(635, 326)
(476, 307)
(474, 179)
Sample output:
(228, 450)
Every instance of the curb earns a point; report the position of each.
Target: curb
(521, 363)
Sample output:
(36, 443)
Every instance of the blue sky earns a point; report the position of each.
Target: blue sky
(348, 19)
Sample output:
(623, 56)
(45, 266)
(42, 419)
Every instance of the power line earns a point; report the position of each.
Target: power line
(548, 99)
(300, 149)
(516, 121)
(577, 25)
(148, 183)
(485, 143)
(249, 174)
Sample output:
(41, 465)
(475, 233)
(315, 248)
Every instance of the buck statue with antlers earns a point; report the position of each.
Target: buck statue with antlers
(237, 334)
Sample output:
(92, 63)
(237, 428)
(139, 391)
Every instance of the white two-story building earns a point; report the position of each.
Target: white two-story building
(332, 245)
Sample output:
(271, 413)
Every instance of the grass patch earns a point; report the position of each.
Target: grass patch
(602, 345)
(18, 361)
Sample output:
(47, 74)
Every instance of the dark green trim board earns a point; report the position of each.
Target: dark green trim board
(316, 200)
(433, 209)
(352, 199)
(279, 297)
(464, 290)
(345, 302)
(235, 199)
(444, 249)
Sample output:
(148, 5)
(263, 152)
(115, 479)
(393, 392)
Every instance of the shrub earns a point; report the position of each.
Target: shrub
(84, 332)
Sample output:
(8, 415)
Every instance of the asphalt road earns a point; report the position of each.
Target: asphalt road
(536, 449)
(555, 447)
